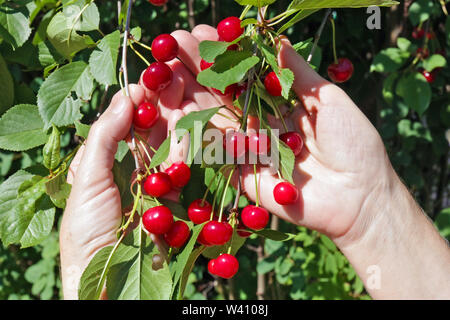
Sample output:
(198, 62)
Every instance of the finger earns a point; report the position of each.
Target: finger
(188, 50)
(178, 150)
(73, 168)
(150, 95)
(171, 97)
(205, 32)
(308, 84)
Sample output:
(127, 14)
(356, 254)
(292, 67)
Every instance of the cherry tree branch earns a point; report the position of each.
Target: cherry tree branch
(318, 35)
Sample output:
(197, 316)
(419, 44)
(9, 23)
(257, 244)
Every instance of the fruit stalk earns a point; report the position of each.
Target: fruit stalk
(318, 35)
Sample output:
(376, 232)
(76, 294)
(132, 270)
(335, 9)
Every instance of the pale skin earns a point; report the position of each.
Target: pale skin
(348, 188)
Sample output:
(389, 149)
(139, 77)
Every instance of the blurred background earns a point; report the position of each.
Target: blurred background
(309, 266)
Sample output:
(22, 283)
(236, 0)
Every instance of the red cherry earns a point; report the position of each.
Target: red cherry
(164, 47)
(157, 220)
(145, 116)
(211, 264)
(254, 217)
(424, 52)
(231, 89)
(199, 211)
(226, 266)
(285, 193)
(272, 84)
(294, 141)
(418, 33)
(430, 35)
(158, 3)
(178, 234)
(157, 184)
(229, 29)
(205, 65)
(429, 76)
(217, 233)
(157, 76)
(342, 71)
(179, 174)
(259, 143)
(241, 232)
(235, 143)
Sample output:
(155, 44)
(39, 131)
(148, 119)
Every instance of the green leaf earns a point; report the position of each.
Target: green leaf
(103, 60)
(188, 121)
(7, 85)
(91, 281)
(52, 148)
(122, 172)
(229, 68)
(161, 154)
(420, 11)
(274, 235)
(58, 189)
(90, 17)
(389, 60)
(21, 128)
(286, 78)
(287, 161)
(236, 243)
(301, 14)
(320, 4)
(442, 222)
(136, 32)
(256, 3)
(14, 25)
(55, 101)
(209, 50)
(405, 44)
(415, 91)
(63, 36)
(131, 275)
(433, 62)
(304, 48)
(82, 130)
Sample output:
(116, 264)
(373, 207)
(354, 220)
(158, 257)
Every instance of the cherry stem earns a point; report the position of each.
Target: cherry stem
(318, 35)
(141, 44)
(135, 204)
(245, 11)
(256, 185)
(333, 27)
(224, 194)
(139, 55)
(238, 192)
(215, 197)
(211, 182)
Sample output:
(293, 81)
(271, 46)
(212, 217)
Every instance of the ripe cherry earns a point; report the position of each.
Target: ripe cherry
(157, 220)
(294, 141)
(199, 211)
(158, 3)
(157, 76)
(178, 234)
(254, 217)
(240, 230)
(225, 266)
(235, 143)
(164, 47)
(259, 143)
(342, 71)
(429, 76)
(145, 116)
(205, 65)
(231, 89)
(217, 233)
(285, 193)
(179, 174)
(272, 84)
(229, 29)
(157, 184)
(211, 264)
(418, 33)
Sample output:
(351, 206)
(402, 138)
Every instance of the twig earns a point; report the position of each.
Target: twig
(191, 16)
(318, 35)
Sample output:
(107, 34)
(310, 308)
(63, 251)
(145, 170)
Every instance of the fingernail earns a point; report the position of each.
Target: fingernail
(120, 106)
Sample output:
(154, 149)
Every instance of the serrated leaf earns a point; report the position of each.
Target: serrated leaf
(7, 85)
(55, 101)
(103, 60)
(131, 276)
(287, 161)
(286, 78)
(52, 148)
(187, 122)
(21, 128)
(136, 32)
(302, 14)
(161, 154)
(320, 4)
(82, 130)
(14, 25)
(122, 171)
(89, 19)
(209, 50)
(415, 91)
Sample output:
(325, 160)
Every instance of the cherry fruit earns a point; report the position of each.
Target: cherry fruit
(157, 76)
(285, 193)
(158, 3)
(157, 184)
(272, 84)
(229, 29)
(254, 217)
(145, 116)
(235, 143)
(418, 33)
(217, 233)
(179, 174)
(199, 211)
(429, 76)
(225, 266)
(241, 232)
(157, 220)
(293, 140)
(211, 265)
(259, 143)
(164, 47)
(205, 64)
(178, 234)
(341, 71)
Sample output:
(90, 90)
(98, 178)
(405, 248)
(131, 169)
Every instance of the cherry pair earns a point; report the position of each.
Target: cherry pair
(159, 221)
(237, 143)
(224, 266)
(160, 183)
